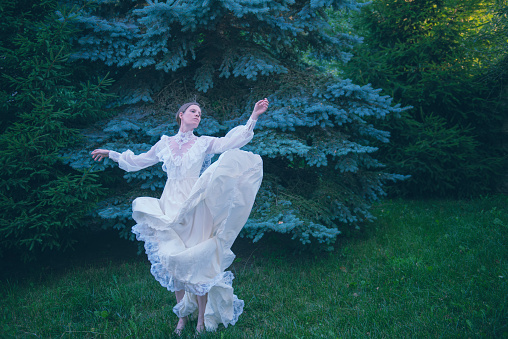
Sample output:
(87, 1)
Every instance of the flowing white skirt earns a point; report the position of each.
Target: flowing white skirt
(188, 233)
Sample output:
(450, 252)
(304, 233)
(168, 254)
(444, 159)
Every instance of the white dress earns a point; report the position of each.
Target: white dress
(189, 231)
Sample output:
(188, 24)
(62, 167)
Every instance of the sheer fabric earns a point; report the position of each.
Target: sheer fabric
(172, 149)
(189, 231)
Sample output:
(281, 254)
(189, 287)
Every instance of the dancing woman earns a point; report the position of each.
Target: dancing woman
(189, 231)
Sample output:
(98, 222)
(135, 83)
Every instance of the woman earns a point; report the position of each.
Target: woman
(189, 231)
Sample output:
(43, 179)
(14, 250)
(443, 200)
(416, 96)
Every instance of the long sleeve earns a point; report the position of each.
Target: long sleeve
(236, 138)
(130, 162)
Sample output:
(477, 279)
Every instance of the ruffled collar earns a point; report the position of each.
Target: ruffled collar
(182, 138)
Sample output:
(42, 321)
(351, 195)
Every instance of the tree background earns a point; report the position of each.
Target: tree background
(439, 57)
(319, 140)
(43, 203)
(320, 177)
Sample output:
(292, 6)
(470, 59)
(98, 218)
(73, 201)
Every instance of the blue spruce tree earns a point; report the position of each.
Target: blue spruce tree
(316, 139)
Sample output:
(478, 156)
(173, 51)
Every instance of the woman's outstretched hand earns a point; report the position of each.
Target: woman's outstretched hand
(259, 108)
(100, 154)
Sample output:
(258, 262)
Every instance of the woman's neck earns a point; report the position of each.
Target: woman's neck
(185, 129)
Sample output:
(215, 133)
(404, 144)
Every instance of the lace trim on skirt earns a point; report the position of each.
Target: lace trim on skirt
(164, 277)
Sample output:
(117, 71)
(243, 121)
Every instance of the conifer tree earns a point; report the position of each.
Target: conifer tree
(321, 176)
(42, 201)
(431, 54)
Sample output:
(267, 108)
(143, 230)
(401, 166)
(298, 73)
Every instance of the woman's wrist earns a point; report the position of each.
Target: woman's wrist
(113, 155)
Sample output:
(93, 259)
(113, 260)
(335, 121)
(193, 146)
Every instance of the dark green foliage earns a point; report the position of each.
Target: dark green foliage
(15, 16)
(438, 157)
(41, 200)
(495, 78)
(429, 54)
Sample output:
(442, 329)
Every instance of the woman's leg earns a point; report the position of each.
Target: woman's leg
(181, 321)
(202, 299)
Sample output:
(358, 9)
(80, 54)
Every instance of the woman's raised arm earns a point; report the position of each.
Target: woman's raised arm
(241, 135)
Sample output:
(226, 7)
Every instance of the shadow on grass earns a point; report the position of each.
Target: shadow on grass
(105, 247)
(93, 248)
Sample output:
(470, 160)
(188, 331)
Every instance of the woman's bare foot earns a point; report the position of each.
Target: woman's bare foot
(200, 328)
(181, 325)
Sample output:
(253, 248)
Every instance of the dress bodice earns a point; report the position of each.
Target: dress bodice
(182, 162)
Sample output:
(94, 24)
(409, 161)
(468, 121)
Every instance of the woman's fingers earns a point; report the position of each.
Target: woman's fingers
(99, 154)
(262, 105)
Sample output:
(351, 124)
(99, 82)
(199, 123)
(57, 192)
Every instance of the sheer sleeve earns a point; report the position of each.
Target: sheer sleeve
(236, 138)
(130, 162)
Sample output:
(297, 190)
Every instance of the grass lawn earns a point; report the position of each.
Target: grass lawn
(424, 269)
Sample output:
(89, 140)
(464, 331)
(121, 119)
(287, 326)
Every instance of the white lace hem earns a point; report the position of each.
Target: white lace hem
(188, 305)
(164, 277)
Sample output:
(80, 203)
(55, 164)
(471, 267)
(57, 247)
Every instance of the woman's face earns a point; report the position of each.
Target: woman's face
(191, 117)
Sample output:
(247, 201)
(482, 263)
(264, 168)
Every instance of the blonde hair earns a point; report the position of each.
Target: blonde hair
(182, 109)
